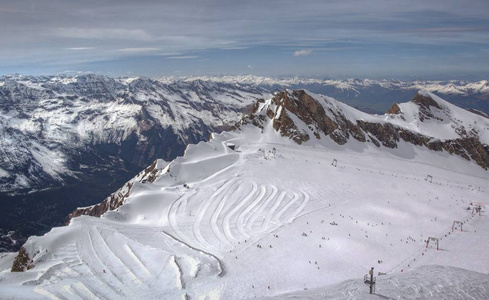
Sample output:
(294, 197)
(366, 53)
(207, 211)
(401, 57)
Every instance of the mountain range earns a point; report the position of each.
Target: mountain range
(373, 96)
(72, 141)
(299, 199)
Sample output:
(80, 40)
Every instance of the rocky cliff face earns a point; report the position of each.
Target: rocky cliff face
(296, 114)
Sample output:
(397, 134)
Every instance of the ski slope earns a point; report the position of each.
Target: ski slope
(273, 219)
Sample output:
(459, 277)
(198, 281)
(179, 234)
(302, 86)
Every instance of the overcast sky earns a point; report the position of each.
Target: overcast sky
(377, 39)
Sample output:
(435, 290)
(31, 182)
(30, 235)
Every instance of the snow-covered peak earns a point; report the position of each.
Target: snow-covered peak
(431, 115)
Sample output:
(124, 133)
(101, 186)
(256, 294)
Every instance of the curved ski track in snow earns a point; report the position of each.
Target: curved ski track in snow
(237, 210)
(107, 263)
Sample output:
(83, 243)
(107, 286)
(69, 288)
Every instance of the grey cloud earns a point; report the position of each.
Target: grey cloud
(183, 57)
(139, 50)
(103, 33)
(303, 52)
(79, 48)
(446, 29)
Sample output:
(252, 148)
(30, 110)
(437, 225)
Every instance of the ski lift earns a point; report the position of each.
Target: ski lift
(455, 223)
(370, 280)
(434, 240)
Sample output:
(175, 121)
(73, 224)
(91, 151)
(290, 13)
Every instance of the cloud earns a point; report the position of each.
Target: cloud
(315, 40)
(303, 52)
(183, 57)
(169, 54)
(76, 72)
(235, 48)
(250, 67)
(335, 48)
(447, 29)
(103, 34)
(79, 48)
(139, 50)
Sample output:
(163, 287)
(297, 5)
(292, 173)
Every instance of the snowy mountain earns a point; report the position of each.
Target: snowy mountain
(373, 96)
(48, 124)
(300, 201)
(461, 87)
(55, 129)
(427, 121)
(71, 141)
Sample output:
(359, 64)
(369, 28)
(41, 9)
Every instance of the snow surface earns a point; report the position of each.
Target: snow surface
(4, 173)
(427, 282)
(275, 219)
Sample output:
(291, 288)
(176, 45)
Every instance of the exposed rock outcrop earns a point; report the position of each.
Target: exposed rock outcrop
(426, 104)
(117, 199)
(22, 261)
(394, 110)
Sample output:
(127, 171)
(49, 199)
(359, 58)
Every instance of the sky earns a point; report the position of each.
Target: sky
(431, 39)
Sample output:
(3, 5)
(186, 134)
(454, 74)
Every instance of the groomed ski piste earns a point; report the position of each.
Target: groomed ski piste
(271, 219)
